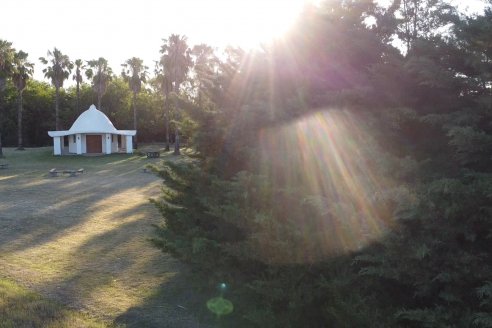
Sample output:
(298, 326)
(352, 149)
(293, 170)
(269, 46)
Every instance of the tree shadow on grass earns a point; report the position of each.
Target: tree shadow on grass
(173, 304)
(109, 277)
(35, 211)
(22, 308)
(97, 242)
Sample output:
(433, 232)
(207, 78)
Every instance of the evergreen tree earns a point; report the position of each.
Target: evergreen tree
(399, 160)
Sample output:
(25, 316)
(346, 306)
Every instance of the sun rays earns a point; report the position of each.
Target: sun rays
(332, 158)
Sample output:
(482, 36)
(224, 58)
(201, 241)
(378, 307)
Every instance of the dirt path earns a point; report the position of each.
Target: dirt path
(84, 241)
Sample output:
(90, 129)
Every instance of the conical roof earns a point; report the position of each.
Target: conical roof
(92, 121)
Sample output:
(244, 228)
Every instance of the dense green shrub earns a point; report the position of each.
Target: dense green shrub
(377, 215)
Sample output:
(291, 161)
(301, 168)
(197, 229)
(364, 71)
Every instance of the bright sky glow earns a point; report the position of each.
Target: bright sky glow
(118, 30)
(468, 6)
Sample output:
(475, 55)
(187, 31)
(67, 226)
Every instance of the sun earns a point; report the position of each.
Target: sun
(273, 18)
(248, 23)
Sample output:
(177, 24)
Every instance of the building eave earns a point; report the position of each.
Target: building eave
(68, 133)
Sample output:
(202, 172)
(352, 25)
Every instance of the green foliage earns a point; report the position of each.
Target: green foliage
(473, 147)
(268, 199)
(39, 117)
(243, 231)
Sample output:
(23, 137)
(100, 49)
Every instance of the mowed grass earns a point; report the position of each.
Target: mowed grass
(83, 241)
(20, 307)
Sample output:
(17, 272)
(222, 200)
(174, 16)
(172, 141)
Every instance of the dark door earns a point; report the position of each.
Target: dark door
(93, 143)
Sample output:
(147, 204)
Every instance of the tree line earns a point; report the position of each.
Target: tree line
(26, 113)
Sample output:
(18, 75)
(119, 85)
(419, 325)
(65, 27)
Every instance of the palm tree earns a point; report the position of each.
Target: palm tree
(205, 68)
(58, 71)
(6, 60)
(164, 84)
(100, 73)
(77, 77)
(22, 71)
(176, 62)
(135, 73)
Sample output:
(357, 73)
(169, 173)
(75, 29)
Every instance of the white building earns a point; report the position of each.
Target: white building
(92, 133)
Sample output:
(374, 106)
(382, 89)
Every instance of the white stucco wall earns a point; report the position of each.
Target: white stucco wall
(84, 146)
(103, 140)
(129, 144)
(72, 146)
(109, 141)
(106, 140)
(57, 145)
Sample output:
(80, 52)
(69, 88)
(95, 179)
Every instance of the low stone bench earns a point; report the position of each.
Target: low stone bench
(72, 173)
(153, 154)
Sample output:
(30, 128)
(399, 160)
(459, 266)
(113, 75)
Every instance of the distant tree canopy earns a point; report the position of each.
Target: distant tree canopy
(39, 115)
(119, 100)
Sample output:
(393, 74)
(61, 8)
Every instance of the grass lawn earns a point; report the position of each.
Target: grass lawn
(83, 242)
(22, 308)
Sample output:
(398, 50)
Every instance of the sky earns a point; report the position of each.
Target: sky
(119, 30)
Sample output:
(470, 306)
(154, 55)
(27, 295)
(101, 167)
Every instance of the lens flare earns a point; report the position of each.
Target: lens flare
(220, 306)
(334, 166)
